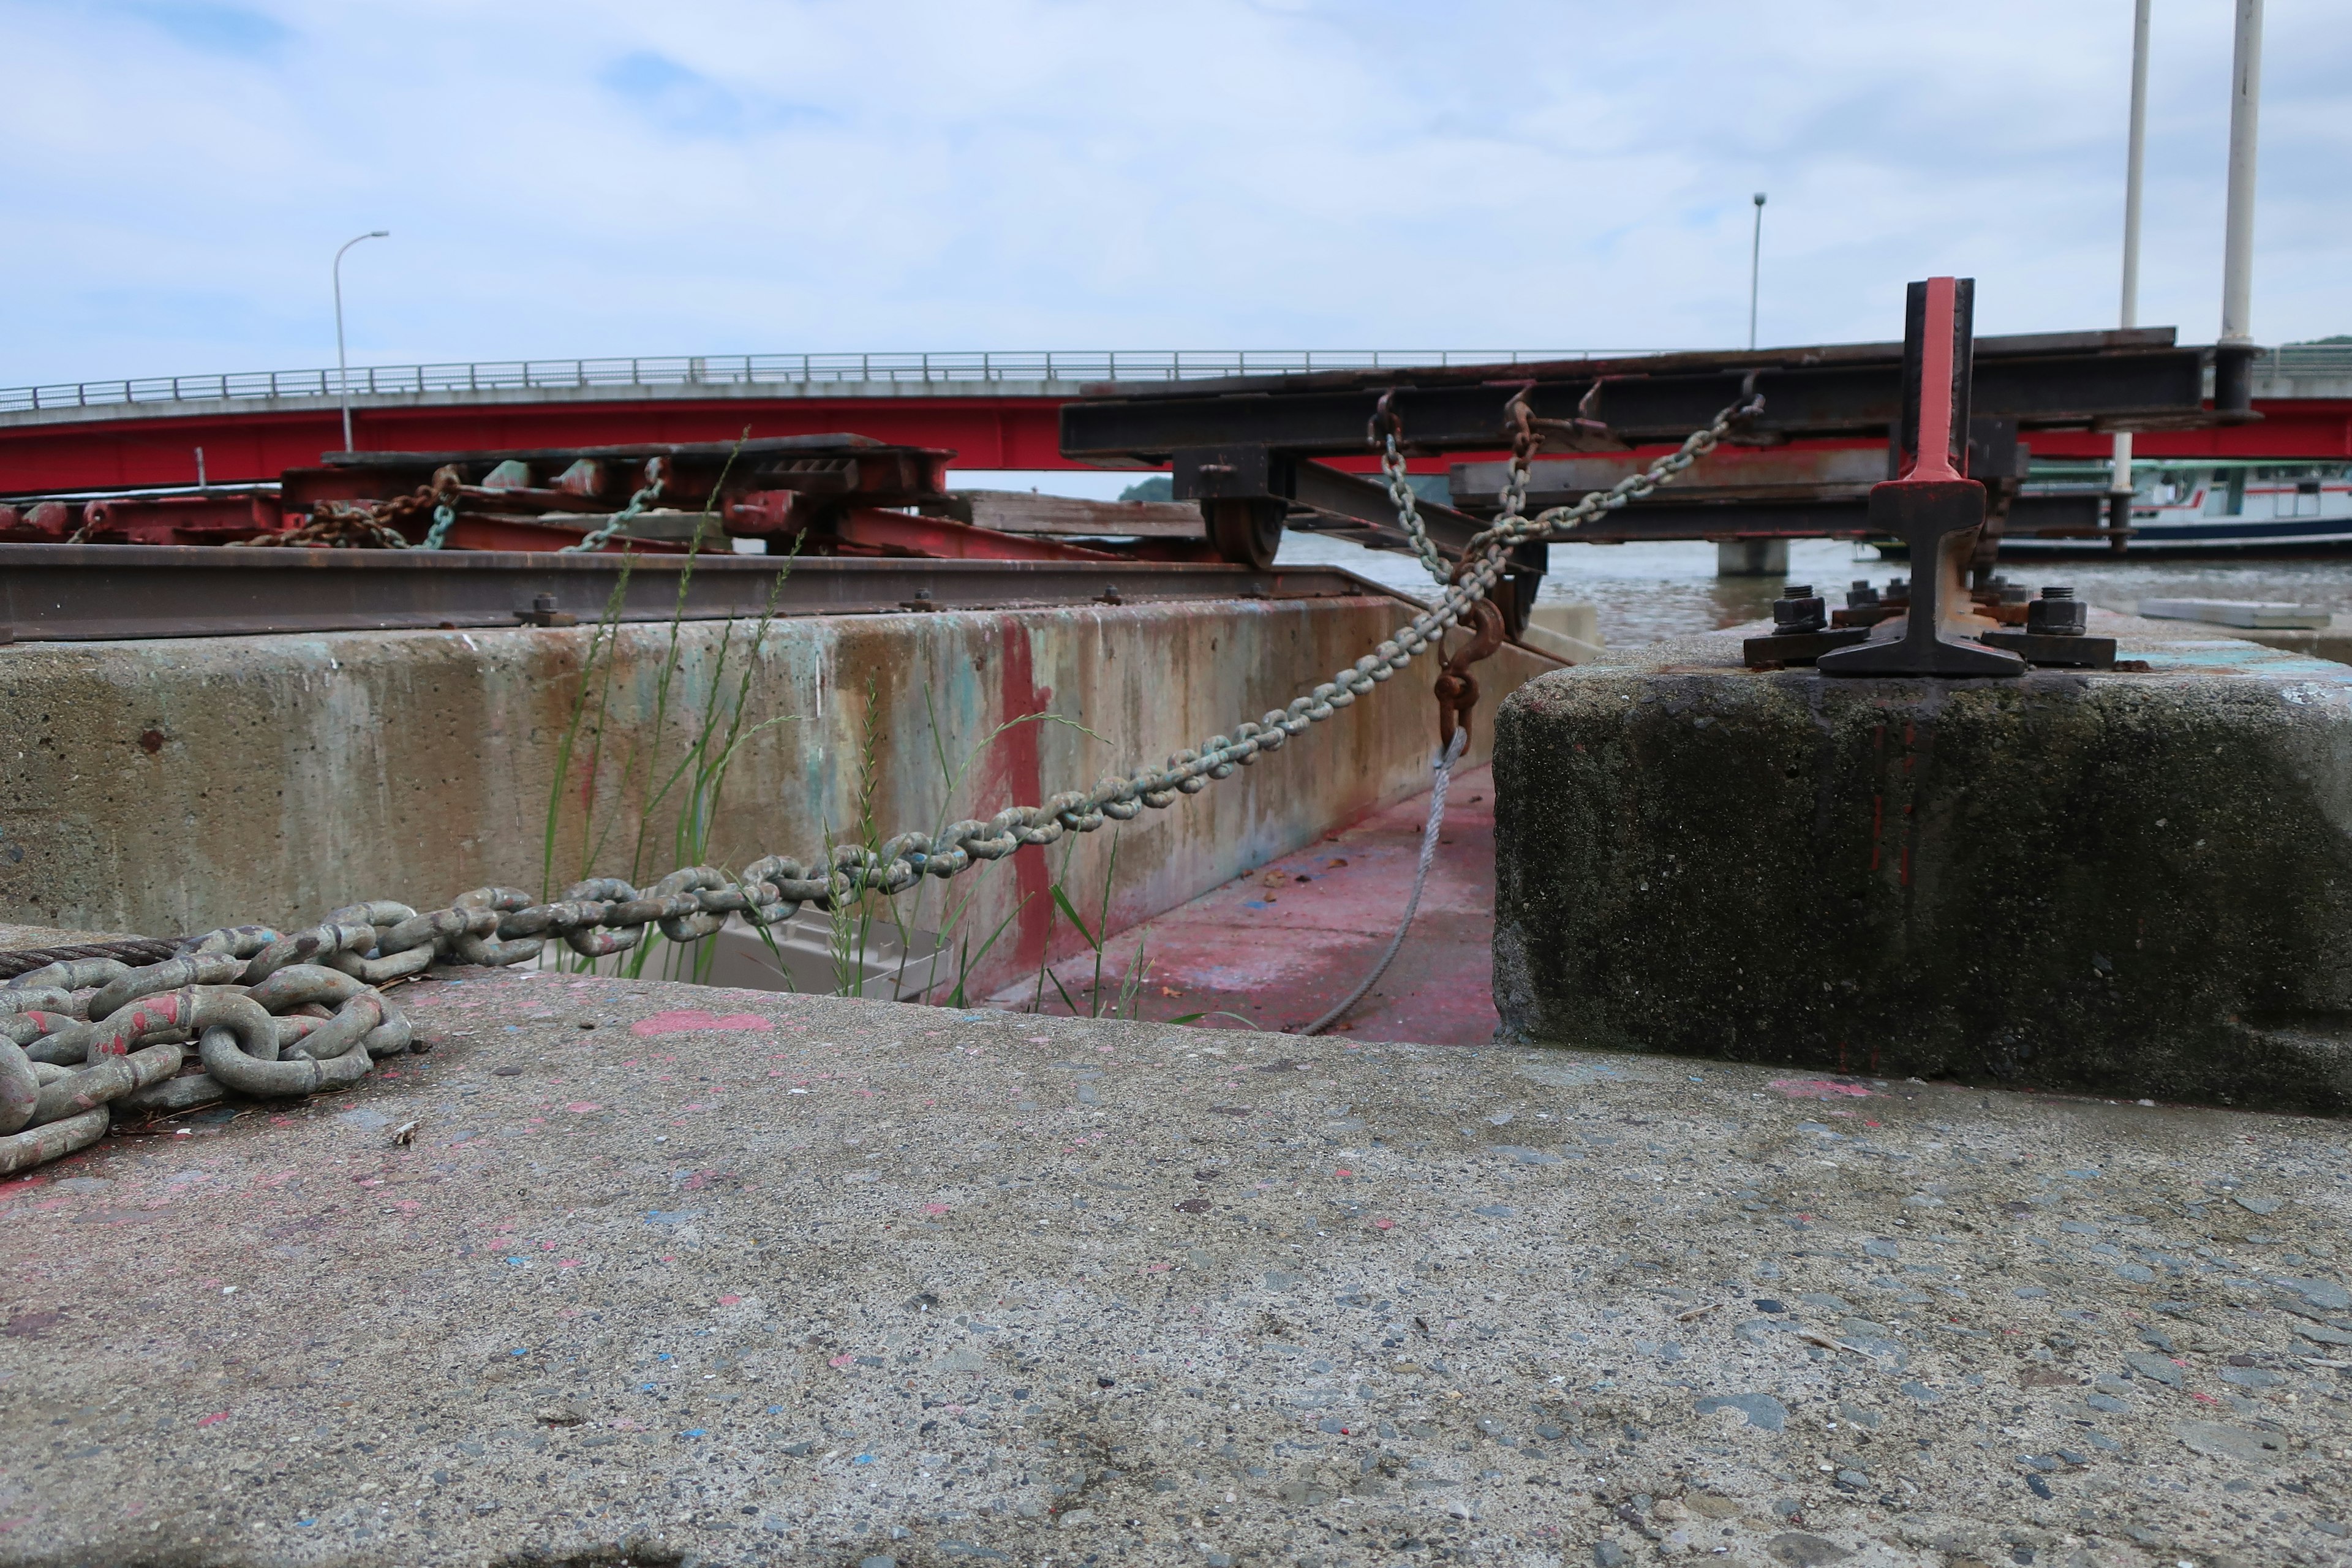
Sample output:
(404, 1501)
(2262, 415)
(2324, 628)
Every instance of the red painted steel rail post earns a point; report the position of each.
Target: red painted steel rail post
(1932, 507)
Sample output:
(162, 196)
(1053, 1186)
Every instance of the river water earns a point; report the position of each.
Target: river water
(1645, 592)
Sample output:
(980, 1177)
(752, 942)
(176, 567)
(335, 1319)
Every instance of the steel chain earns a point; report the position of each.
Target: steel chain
(277, 1014)
(620, 520)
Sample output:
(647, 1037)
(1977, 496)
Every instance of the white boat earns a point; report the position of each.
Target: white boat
(2211, 504)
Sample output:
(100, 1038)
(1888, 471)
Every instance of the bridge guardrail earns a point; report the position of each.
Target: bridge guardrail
(772, 370)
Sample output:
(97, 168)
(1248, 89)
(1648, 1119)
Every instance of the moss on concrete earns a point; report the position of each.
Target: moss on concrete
(2126, 883)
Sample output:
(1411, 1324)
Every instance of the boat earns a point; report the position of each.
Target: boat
(2207, 505)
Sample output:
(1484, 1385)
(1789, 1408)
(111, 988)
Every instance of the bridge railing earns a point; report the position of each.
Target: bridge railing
(851, 369)
(751, 369)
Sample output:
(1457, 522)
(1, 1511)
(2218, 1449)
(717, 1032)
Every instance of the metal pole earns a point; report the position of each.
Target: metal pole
(1755, 266)
(342, 365)
(2245, 104)
(2233, 355)
(2119, 478)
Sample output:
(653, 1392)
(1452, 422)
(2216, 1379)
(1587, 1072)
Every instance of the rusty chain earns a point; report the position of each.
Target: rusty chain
(83, 1039)
(279, 1014)
(657, 471)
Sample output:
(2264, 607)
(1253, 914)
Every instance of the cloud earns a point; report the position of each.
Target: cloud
(731, 175)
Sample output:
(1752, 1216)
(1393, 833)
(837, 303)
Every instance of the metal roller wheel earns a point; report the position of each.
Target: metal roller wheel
(1246, 531)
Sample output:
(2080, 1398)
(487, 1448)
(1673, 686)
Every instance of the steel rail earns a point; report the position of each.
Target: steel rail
(66, 593)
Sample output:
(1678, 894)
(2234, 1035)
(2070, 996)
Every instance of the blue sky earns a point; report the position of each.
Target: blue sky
(713, 176)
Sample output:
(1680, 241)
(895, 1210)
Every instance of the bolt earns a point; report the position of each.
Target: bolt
(2058, 613)
(543, 603)
(1862, 595)
(1799, 609)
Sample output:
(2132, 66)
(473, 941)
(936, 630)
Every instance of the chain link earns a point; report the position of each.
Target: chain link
(620, 520)
(278, 1013)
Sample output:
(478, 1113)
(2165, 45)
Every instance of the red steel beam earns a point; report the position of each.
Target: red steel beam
(154, 448)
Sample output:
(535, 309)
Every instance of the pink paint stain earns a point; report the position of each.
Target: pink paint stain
(217, 1415)
(1383, 1225)
(1817, 1087)
(567, 1263)
(935, 1208)
(1157, 1268)
(582, 1107)
(731, 1300)
(686, 1019)
(843, 1362)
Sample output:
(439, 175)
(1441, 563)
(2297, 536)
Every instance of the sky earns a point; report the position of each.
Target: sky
(725, 176)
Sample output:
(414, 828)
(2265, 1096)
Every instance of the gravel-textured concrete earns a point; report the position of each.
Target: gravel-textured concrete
(2135, 882)
(734, 1278)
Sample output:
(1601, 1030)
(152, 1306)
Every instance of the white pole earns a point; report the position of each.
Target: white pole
(2238, 248)
(1755, 263)
(342, 365)
(2120, 479)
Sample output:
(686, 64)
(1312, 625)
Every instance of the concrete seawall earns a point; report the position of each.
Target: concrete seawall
(167, 787)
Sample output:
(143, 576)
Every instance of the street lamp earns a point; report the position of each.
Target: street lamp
(343, 365)
(1755, 259)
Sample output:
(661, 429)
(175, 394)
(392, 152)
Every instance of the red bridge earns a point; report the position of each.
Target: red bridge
(994, 410)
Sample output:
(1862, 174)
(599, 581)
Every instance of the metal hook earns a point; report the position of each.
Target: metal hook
(1384, 421)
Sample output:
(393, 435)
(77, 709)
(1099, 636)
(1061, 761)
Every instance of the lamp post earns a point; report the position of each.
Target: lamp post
(342, 365)
(1755, 261)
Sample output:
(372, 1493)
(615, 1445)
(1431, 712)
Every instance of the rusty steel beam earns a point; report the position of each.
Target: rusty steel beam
(77, 592)
(2123, 380)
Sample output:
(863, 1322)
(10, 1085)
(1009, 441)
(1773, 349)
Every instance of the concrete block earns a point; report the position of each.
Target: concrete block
(2250, 614)
(1751, 558)
(2135, 883)
(1568, 631)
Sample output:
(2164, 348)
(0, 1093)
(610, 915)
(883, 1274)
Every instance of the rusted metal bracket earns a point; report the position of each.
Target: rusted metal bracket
(1933, 507)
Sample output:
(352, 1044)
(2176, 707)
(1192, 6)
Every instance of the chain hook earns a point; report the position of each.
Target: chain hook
(1456, 689)
(1384, 422)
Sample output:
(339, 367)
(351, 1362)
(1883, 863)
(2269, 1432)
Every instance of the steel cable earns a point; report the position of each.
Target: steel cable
(1442, 766)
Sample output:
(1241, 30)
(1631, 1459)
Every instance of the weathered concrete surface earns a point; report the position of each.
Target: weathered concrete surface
(171, 785)
(736, 1278)
(2138, 883)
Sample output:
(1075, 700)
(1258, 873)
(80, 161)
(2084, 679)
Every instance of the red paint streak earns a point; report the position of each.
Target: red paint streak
(1934, 460)
(686, 1019)
(1020, 776)
(1816, 1087)
(217, 1415)
(1877, 821)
